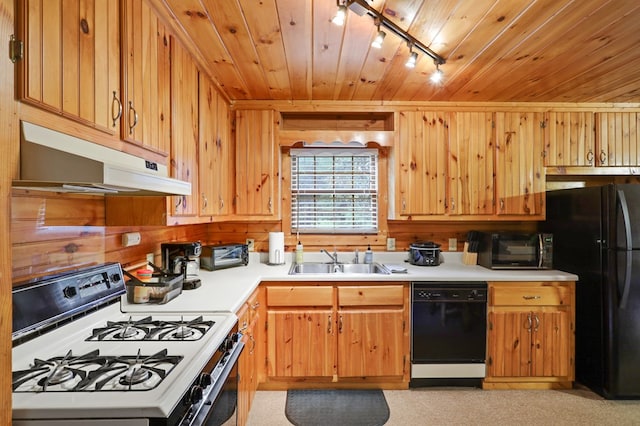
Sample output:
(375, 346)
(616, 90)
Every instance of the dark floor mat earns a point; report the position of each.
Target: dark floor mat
(321, 407)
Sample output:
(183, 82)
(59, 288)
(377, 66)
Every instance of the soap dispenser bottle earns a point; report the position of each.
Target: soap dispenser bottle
(299, 253)
(368, 255)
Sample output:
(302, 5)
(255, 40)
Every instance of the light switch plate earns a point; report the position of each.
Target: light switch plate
(391, 244)
(453, 244)
(150, 258)
(250, 242)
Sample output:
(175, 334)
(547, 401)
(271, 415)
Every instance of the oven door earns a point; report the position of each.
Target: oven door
(218, 405)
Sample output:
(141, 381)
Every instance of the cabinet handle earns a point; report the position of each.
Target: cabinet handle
(501, 204)
(205, 202)
(340, 324)
(244, 326)
(453, 204)
(178, 203)
(603, 157)
(537, 322)
(329, 328)
(270, 205)
(135, 117)
(529, 323)
(531, 297)
(253, 344)
(404, 204)
(590, 157)
(255, 306)
(116, 109)
(221, 203)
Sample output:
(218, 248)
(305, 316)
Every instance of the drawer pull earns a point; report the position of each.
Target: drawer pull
(531, 297)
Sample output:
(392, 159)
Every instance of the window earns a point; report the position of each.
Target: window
(334, 190)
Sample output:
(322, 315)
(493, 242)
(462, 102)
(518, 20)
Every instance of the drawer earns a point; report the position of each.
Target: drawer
(300, 296)
(522, 295)
(370, 295)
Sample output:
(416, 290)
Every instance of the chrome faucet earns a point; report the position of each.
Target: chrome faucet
(334, 256)
(356, 259)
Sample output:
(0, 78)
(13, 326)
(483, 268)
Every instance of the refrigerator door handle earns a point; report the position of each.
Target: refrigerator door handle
(625, 216)
(627, 281)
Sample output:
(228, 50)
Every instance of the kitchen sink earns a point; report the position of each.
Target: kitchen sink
(337, 268)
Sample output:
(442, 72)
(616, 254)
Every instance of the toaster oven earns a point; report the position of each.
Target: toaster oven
(224, 256)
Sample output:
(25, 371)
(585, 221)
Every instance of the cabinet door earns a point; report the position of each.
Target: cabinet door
(520, 174)
(256, 164)
(570, 139)
(618, 138)
(509, 344)
(215, 161)
(72, 64)
(370, 343)
(184, 127)
(145, 83)
(471, 164)
(421, 162)
(301, 343)
(551, 344)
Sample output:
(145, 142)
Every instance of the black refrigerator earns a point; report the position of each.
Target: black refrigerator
(597, 236)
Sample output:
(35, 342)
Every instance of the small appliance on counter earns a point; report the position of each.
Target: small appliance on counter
(160, 288)
(424, 254)
(183, 258)
(513, 250)
(224, 256)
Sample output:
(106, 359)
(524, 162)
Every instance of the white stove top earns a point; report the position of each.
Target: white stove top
(156, 402)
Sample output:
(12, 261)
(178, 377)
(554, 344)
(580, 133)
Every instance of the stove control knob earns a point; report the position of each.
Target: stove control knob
(205, 380)
(195, 394)
(115, 278)
(70, 292)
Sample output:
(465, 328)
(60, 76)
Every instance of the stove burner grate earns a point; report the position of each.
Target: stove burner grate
(151, 329)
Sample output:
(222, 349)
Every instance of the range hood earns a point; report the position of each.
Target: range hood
(54, 161)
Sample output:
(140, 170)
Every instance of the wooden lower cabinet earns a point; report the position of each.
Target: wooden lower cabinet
(530, 336)
(333, 335)
(249, 321)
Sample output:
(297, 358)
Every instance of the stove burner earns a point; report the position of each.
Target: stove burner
(151, 329)
(60, 373)
(134, 375)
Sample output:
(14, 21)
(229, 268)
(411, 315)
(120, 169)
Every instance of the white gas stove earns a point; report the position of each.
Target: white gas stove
(98, 365)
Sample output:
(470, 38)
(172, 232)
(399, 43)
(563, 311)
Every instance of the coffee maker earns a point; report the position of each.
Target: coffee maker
(183, 258)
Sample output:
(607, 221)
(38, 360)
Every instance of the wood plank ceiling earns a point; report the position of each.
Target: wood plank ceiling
(503, 51)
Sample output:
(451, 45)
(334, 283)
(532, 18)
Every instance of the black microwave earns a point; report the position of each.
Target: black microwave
(510, 250)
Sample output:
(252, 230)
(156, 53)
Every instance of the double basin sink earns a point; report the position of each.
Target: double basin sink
(337, 268)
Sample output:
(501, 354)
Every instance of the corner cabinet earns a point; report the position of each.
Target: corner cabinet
(531, 335)
(257, 174)
(329, 334)
(71, 65)
(249, 323)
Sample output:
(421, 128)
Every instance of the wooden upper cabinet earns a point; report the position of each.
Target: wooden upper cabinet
(618, 139)
(215, 152)
(520, 174)
(421, 157)
(471, 163)
(570, 139)
(145, 78)
(184, 128)
(72, 60)
(257, 164)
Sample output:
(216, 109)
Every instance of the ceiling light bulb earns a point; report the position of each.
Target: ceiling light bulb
(341, 15)
(377, 42)
(411, 62)
(436, 77)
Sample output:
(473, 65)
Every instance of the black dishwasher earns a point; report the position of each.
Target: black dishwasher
(448, 333)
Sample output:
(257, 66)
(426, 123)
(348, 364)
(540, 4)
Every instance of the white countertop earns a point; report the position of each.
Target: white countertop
(226, 290)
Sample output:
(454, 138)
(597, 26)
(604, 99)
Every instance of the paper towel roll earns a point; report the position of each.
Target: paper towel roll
(276, 248)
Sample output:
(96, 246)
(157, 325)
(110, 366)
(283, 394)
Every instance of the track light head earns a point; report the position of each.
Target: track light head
(340, 16)
(377, 42)
(411, 62)
(437, 75)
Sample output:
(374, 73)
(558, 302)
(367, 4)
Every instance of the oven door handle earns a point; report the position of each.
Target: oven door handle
(201, 413)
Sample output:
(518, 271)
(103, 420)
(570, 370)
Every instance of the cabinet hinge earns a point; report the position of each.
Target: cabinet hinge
(16, 49)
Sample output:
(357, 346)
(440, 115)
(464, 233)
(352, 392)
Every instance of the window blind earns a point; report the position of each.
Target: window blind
(334, 190)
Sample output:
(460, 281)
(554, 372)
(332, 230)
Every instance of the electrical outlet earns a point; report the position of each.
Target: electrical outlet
(131, 239)
(150, 258)
(250, 244)
(453, 244)
(391, 244)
